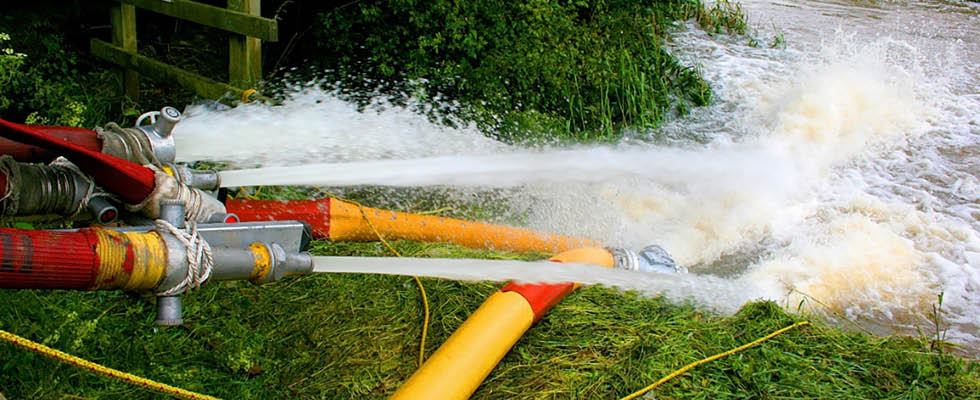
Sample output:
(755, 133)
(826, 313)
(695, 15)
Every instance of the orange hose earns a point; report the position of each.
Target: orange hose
(347, 223)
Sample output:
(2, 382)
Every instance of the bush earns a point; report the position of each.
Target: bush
(585, 69)
(44, 82)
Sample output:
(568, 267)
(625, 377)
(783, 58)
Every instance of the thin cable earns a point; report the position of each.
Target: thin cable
(710, 359)
(425, 299)
(101, 370)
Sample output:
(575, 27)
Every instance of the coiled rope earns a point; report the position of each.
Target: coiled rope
(128, 141)
(199, 259)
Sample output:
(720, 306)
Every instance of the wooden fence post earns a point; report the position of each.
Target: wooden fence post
(123, 18)
(245, 52)
(241, 18)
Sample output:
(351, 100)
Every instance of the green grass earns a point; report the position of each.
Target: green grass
(357, 336)
(530, 72)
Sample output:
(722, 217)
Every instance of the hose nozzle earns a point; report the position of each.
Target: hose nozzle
(652, 258)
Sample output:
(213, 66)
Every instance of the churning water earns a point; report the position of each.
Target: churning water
(839, 172)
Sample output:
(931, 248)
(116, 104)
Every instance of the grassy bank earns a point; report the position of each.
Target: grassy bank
(357, 336)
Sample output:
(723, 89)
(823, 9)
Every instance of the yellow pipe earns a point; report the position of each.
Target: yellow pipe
(467, 357)
(129, 260)
(461, 364)
(347, 223)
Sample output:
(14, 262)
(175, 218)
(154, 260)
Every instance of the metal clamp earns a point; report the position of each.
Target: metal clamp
(652, 258)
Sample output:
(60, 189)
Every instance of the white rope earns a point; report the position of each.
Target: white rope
(199, 260)
(193, 202)
(92, 191)
(7, 165)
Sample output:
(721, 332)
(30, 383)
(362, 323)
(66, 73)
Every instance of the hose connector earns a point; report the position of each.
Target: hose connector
(201, 179)
(59, 188)
(652, 258)
(143, 144)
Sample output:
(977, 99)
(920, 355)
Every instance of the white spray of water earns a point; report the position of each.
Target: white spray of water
(842, 175)
(714, 293)
(665, 165)
(313, 125)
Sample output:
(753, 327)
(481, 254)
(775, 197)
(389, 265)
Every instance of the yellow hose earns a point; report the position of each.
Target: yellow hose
(101, 370)
(461, 364)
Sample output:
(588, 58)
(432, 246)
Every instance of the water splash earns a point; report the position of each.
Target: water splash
(840, 172)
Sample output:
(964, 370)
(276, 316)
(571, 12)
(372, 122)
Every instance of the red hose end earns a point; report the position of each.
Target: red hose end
(542, 297)
(314, 212)
(132, 182)
(37, 259)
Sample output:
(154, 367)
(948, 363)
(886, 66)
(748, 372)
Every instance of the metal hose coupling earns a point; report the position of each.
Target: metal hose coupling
(259, 252)
(652, 258)
(200, 179)
(144, 143)
(59, 188)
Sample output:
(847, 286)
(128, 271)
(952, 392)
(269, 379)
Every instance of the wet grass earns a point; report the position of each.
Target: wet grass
(356, 336)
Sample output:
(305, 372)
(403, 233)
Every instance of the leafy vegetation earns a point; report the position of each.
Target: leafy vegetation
(581, 69)
(47, 76)
(42, 83)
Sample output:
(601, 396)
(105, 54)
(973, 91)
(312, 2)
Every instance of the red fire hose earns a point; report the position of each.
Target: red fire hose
(86, 138)
(88, 259)
(132, 182)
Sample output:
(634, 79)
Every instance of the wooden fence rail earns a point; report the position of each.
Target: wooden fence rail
(242, 19)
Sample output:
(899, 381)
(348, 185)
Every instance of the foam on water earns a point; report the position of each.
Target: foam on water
(840, 173)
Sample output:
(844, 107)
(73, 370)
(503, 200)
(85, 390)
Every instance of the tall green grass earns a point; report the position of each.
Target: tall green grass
(582, 70)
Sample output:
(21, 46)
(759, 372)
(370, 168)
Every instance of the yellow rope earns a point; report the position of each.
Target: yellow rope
(710, 359)
(105, 371)
(425, 299)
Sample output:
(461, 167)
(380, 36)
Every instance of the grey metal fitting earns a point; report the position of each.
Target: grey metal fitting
(283, 263)
(143, 143)
(201, 179)
(223, 218)
(234, 256)
(35, 189)
(170, 311)
(652, 258)
(172, 211)
(164, 125)
(158, 132)
(102, 210)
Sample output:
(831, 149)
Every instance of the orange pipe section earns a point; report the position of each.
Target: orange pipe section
(461, 364)
(338, 220)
